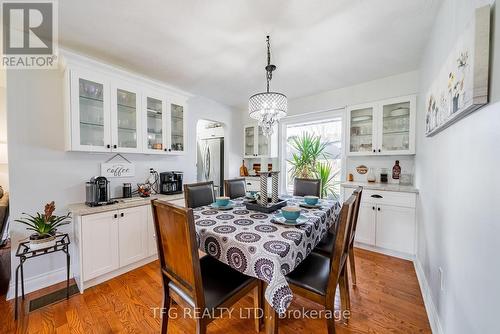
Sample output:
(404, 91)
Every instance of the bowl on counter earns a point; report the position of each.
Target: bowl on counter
(222, 201)
(311, 200)
(290, 212)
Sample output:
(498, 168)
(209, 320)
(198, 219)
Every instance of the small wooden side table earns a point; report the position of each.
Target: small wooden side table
(24, 253)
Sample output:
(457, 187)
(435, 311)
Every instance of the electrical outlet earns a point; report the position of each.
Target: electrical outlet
(441, 278)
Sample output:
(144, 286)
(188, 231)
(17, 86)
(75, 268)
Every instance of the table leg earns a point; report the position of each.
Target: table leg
(67, 274)
(22, 279)
(17, 292)
(270, 316)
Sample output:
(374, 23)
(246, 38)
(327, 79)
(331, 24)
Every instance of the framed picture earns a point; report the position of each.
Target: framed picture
(462, 84)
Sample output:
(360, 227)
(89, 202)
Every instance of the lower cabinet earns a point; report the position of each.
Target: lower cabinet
(114, 239)
(365, 229)
(99, 244)
(152, 248)
(396, 228)
(132, 235)
(386, 220)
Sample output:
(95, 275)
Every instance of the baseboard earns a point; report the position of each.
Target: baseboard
(37, 282)
(430, 307)
(401, 255)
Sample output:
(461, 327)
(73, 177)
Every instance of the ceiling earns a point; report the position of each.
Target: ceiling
(216, 48)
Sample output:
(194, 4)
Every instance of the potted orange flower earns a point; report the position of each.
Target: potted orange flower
(45, 226)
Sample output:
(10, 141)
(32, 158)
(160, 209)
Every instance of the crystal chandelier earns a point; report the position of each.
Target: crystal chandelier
(268, 107)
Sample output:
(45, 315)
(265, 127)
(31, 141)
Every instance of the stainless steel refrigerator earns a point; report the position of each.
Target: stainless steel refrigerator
(210, 162)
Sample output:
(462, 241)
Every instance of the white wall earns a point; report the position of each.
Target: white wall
(41, 171)
(459, 212)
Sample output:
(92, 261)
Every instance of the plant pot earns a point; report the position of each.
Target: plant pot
(37, 242)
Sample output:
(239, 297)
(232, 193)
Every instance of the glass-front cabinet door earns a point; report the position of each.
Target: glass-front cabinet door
(176, 127)
(396, 126)
(90, 117)
(361, 130)
(125, 119)
(155, 123)
(249, 141)
(263, 144)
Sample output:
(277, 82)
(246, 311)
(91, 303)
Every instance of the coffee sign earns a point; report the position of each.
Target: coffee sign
(117, 169)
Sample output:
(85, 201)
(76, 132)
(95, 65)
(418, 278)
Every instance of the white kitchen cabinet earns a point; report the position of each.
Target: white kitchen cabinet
(132, 230)
(382, 128)
(177, 124)
(99, 241)
(365, 228)
(256, 145)
(90, 117)
(107, 113)
(386, 220)
(396, 228)
(126, 131)
(152, 247)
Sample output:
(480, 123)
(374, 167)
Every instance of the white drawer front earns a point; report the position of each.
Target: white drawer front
(389, 198)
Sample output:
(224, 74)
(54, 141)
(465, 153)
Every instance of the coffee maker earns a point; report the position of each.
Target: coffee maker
(171, 183)
(97, 191)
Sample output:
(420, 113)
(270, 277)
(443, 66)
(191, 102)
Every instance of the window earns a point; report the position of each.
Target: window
(329, 132)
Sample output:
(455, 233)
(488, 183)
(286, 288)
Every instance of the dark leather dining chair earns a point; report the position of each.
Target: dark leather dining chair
(306, 187)
(199, 194)
(204, 284)
(317, 276)
(235, 188)
(326, 245)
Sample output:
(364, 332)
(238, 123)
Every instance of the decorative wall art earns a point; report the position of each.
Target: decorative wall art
(462, 84)
(112, 168)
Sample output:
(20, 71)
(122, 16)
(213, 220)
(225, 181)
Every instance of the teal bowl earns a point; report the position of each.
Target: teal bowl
(311, 200)
(222, 201)
(290, 212)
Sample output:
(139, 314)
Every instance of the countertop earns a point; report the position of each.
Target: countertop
(81, 209)
(381, 186)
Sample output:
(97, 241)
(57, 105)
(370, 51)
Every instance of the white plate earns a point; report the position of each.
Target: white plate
(400, 112)
(279, 219)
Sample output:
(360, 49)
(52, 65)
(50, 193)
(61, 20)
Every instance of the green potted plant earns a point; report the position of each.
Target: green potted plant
(311, 160)
(44, 225)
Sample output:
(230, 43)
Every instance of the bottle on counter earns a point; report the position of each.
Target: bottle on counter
(243, 169)
(396, 171)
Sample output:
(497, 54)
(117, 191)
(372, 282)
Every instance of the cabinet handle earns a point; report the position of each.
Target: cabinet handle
(108, 146)
(374, 151)
(170, 150)
(121, 215)
(116, 216)
(378, 209)
(379, 151)
(376, 196)
(114, 146)
(373, 208)
(165, 149)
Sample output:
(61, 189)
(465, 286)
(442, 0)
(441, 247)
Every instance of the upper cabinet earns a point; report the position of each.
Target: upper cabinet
(108, 114)
(256, 145)
(382, 128)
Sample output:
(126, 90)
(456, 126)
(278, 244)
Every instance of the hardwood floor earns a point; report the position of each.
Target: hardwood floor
(387, 299)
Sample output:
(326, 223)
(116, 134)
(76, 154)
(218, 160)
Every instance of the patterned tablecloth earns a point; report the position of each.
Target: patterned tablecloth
(251, 243)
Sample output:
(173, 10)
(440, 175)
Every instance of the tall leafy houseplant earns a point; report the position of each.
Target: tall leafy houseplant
(309, 149)
(44, 225)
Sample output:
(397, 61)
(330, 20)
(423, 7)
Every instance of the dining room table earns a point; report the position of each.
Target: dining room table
(258, 244)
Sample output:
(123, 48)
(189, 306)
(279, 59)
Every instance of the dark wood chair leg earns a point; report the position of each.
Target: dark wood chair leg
(344, 292)
(165, 309)
(352, 265)
(258, 307)
(201, 326)
(330, 321)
